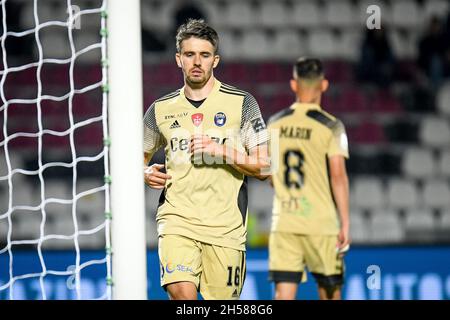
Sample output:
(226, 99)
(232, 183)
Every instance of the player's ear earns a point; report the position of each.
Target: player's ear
(294, 85)
(324, 85)
(178, 59)
(216, 60)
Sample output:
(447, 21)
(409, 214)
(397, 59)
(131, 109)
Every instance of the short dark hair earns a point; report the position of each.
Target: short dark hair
(308, 68)
(197, 29)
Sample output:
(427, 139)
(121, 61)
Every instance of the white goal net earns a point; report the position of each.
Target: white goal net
(54, 149)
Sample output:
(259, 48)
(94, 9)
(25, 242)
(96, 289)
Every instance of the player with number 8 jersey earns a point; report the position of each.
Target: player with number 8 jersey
(310, 223)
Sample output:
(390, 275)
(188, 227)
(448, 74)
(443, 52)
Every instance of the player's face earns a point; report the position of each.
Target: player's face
(197, 59)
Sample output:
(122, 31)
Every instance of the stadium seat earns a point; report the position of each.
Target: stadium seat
(151, 233)
(93, 202)
(260, 196)
(349, 43)
(25, 225)
(386, 227)
(368, 193)
(62, 224)
(214, 11)
(273, 14)
(151, 202)
(436, 194)
(230, 46)
(55, 43)
(256, 45)
(288, 45)
(435, 7)
(4, 200)
(84, 40)
(435, 131)
(306, 14)
(157, 15)
(240, 14)
(359, 229)
(92, 241)
(443, 99)
(339, 14)
(444, 163)
(402, 194)
(58, 189)
(406, 14)
(419, 219)
(418, 163)
(322, 43)
(4, 227)
(46, 13)
(444, 221)
(25, 195)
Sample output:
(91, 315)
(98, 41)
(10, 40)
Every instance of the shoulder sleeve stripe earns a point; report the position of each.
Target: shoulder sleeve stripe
(236, 93)
(169, 96)
(231, 88)
(281, 114)
(322, 118)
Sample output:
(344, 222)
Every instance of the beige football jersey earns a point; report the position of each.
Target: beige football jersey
(303, 200)
(206, 199)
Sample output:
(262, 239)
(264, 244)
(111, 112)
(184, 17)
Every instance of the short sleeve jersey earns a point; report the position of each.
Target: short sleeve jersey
(303, 200)
(206, 199)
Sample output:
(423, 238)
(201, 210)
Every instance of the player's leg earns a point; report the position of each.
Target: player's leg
(286, 290)
(223, 273)
(180, 260)
(285, 264)
(326, 265)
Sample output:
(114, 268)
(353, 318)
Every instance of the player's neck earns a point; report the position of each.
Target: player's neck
(315, 100)
(199, 93)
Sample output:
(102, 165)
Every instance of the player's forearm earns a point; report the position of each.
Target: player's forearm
(256, 166)
(340, 189)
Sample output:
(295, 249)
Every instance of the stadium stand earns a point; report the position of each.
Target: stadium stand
(399, 135)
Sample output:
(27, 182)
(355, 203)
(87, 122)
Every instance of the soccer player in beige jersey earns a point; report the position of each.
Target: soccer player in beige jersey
(310, 223)
(214, 136)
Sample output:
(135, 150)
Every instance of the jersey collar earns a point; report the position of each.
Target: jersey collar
(214, 90)
(305, 106)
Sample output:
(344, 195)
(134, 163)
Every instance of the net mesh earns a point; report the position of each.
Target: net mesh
(54, 176)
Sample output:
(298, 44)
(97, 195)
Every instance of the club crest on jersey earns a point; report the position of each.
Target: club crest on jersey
(220, 118)
(197, 119)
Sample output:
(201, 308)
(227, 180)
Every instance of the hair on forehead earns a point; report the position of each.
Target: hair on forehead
(197, 28)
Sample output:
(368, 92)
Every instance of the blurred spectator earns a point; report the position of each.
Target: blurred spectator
(184, 10)
(377, 60)
(432, 52)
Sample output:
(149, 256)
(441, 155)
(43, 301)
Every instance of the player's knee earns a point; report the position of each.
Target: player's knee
(182, 291)
(281, 294)
(330, 284)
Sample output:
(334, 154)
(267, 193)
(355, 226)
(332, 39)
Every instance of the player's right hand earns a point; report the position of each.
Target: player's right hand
(154, 178)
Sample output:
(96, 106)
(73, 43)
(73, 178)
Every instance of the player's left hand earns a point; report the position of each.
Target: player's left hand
(343, 244)
(203, 144)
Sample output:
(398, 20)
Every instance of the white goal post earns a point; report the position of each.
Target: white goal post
(126, 131)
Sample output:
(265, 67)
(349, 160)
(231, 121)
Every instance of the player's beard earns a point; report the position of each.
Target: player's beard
(198, 82)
